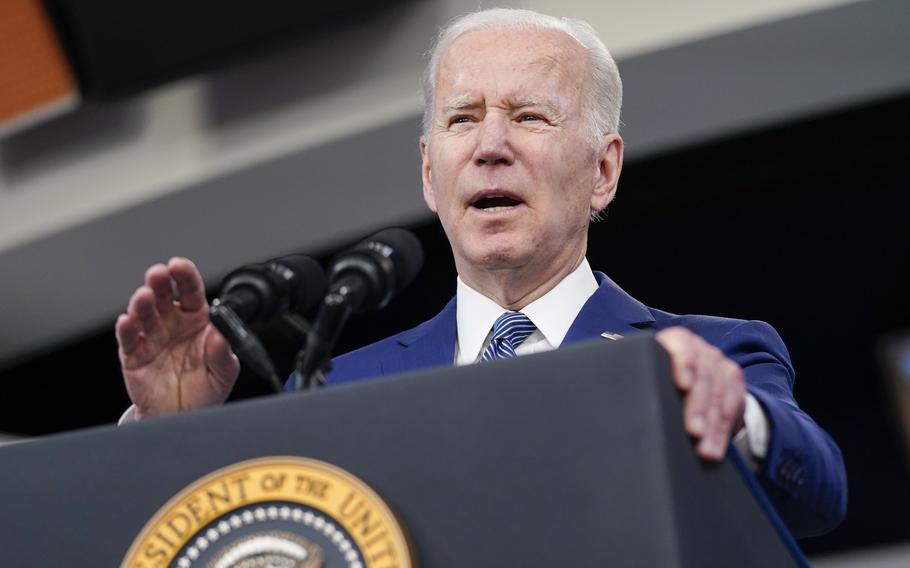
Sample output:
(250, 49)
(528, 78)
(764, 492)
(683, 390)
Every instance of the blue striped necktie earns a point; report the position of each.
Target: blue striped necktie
(509, 331)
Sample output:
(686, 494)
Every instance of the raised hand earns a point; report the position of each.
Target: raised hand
(171, 357)
(714, 390)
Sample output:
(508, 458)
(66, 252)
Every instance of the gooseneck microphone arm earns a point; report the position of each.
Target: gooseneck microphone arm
(244, 343)
(361, 279)
(313, 362)
(347, 294)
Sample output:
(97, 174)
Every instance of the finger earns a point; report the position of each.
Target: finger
(158, 278)
(719, 414)
(127, 331)
(142, 309)
(678, 343)
(711, 445)
(701, 355)
(732, 403)
(695, 407)
(190, 288)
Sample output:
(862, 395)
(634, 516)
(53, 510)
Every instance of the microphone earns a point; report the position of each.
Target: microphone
(362, 279)
(257, 292)
(376, 269)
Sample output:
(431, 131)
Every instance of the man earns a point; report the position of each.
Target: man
(520, 149)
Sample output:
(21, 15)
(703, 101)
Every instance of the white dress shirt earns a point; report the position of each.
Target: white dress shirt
(553, 314)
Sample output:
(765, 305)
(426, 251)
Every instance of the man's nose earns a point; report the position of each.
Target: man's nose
(494, 143)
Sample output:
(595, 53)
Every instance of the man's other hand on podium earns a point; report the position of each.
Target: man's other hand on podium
(714, 388)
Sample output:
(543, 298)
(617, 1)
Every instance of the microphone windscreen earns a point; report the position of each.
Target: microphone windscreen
(311, 280)
(406, 253)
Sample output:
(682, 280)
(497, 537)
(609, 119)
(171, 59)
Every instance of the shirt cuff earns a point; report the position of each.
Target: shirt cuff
(752, 440)
(128, 416)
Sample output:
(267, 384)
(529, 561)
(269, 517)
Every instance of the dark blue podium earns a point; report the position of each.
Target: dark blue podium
(570, 458)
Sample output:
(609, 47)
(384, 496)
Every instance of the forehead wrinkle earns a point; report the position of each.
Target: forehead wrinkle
(565, 62)
(550, 61)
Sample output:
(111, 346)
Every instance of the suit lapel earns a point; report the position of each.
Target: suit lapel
(431, 344)
(609, 310)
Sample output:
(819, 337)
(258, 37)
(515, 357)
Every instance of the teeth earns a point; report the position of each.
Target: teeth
(498, 208)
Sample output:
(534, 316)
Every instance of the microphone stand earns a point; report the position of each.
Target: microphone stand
(244, 343)
(314, 360)
(362, 279)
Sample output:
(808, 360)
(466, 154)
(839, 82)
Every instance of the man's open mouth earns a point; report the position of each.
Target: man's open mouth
(493, 202)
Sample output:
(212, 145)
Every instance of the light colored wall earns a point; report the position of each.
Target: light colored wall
(317, 145)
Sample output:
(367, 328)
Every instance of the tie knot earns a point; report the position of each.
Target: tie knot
(509, 331)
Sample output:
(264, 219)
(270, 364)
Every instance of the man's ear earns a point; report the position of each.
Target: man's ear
(609, 165)
(426, 175)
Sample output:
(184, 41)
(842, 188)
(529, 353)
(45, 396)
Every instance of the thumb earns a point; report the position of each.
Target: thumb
(678, 343)
(219, 359)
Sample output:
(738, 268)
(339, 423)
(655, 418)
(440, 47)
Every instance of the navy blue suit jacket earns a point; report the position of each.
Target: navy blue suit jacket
(803, 471)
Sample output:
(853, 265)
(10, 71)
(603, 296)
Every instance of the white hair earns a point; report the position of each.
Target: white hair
(603, 94)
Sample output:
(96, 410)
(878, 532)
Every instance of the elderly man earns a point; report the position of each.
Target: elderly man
(520, 149)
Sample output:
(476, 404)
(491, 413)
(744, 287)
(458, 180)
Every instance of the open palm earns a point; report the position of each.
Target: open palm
(171, 357)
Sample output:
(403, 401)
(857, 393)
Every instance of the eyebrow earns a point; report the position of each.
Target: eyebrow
(468, 103)
(525, 102)
(462, 103)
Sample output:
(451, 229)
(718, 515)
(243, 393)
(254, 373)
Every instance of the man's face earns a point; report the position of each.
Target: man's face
(508, 164)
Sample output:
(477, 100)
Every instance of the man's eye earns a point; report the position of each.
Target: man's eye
(530, 117)
(459, 119)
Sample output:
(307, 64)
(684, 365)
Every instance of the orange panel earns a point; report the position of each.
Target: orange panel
(34, 73)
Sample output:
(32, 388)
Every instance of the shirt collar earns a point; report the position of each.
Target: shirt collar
(552, 313)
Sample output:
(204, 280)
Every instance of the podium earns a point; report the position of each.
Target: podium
(574, 458)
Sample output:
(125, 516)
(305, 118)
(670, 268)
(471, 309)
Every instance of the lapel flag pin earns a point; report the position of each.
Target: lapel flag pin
(611, 336)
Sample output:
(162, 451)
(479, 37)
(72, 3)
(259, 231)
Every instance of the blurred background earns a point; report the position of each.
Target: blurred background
(766, 178)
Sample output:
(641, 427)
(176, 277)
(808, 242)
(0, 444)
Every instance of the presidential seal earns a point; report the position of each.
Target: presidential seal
(280, 512)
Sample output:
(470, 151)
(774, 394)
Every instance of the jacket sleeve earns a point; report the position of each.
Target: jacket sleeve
(803, 471)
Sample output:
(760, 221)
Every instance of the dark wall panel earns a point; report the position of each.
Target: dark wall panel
(120, 47)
